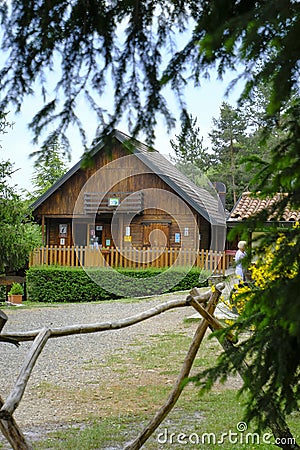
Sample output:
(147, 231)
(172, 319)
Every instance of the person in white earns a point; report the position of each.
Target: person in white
(240, 254)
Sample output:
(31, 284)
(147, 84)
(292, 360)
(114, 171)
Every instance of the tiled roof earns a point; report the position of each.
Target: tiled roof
(249, 205)
(203, 199)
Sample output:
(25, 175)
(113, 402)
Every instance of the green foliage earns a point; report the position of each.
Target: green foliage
(237, 137)
(67, 284)
(4, 123)
(18, 234)
(2, 293)
(282, 172)
(16, 289)
(272, 350)
(260, 38)
(189, 151)
(49, 167)
(229, 139)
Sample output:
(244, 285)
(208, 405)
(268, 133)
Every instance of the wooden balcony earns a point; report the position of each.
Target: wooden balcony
(122, 202)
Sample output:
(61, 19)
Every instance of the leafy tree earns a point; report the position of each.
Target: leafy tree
(18, 234)
(129, 41)
(49, 167)
(236, 138)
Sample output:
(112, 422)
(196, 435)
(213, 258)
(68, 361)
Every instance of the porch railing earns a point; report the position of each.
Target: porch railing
(143, 257)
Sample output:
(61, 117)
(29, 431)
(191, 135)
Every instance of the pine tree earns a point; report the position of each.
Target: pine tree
(191, 157)
(229, 141)
(49, 167)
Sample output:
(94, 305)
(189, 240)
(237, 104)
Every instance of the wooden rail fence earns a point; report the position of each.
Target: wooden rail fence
(129, 257)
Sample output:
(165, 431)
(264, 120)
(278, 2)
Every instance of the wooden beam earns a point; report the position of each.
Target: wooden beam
(179, 384)
(101, 326)
(13, 433)
(17, 392)
(43, 230)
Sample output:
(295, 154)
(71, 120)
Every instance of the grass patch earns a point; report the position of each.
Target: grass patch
(143, 378)
(209, 422)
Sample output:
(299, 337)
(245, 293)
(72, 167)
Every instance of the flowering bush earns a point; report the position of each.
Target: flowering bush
(240, 294)
(267, 269)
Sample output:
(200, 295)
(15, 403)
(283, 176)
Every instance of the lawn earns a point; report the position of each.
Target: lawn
(142, 379)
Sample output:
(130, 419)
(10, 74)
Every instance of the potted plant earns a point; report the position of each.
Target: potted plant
(15, 294)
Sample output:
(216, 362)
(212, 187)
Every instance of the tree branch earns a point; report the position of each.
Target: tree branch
(17, 392)
(98, 327)
(13, 433)
(213, 322)
(184, 373)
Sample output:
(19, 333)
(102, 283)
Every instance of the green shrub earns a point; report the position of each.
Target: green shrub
(2, 293)
(16, 289)
(70, 284)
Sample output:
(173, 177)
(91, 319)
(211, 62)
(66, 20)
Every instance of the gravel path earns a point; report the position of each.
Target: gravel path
(74, 361)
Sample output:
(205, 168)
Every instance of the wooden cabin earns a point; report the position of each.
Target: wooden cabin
(130, 196)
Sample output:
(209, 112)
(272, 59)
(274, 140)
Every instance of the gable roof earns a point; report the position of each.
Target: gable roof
(248, 205)
(205, 202)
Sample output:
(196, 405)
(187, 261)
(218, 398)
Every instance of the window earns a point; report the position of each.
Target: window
(63, 230)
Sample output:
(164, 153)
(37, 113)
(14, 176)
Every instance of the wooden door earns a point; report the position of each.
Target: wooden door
(156, 235)
(106, 236)
(80, 234)
(100, 234)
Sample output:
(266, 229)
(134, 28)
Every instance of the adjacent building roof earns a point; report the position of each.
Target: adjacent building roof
(248, 205)
(203, 199)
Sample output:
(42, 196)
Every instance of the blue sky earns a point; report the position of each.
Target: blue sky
(203, 102)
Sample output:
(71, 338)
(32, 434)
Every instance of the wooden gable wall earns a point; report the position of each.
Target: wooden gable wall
(58, 209)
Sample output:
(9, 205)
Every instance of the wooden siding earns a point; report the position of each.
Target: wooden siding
(139, 230)
(54, 231)
(58, 209)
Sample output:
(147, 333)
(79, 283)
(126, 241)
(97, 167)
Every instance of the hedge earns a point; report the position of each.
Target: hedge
(70, 284)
